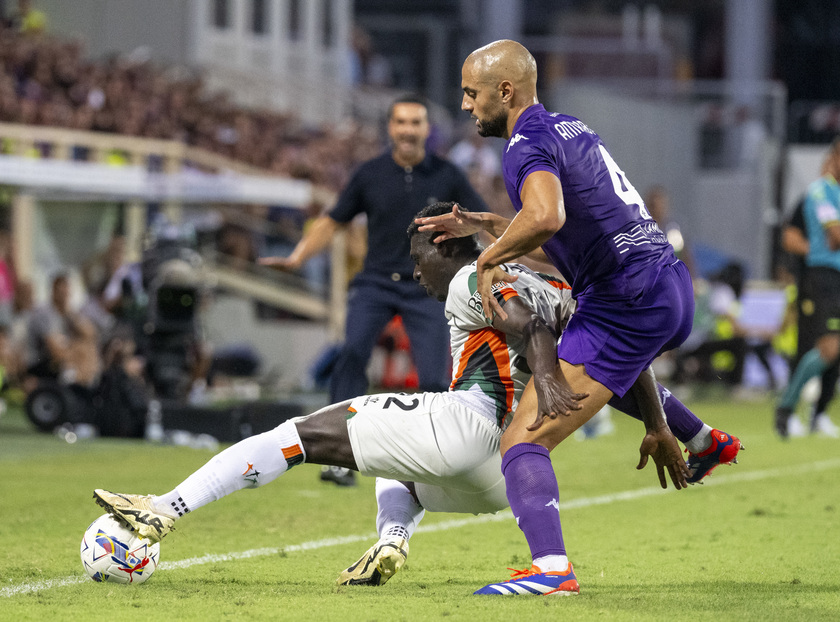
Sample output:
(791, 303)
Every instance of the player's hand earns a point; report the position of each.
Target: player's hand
(286, 264)
(457, 224)
(554, 398)
(485, 277)
(663, 448)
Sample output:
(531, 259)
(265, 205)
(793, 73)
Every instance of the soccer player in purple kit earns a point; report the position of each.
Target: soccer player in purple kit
(634, 297)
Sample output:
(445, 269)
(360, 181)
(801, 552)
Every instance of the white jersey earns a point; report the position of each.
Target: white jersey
(488, 364)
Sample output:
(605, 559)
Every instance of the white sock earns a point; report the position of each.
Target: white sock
(552, 563)
(250, 463)
(701, 441)
(398, 512)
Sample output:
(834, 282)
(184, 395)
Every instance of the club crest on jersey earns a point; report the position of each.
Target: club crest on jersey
(516, 138)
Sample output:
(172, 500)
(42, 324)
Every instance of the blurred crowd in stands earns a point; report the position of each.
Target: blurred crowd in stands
(48, 81)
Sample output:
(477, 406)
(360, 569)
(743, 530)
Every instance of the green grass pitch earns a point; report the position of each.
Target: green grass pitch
(761, 541)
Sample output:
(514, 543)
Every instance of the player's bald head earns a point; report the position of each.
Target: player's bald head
(505, 60)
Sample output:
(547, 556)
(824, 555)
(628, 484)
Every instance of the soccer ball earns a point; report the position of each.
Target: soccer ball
(112, 553)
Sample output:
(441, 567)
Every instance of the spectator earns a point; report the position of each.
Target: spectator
(367, 66)
(11, 362)
(658, 204)
(24, 304)
(99, 268)
(47, 81)
(22, 309)
(27, 20)
(237, 244)
(96, 312)
(719, 342)
(61, 343)
(7, 278)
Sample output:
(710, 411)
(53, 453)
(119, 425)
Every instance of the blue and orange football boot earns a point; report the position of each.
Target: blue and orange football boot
(723, 450)
(534, 582)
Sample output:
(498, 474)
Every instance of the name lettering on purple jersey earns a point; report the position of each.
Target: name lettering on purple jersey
(570, 129)
(608, 234)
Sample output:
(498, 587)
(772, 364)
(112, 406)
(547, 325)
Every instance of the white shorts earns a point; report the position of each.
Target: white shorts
(449, 450)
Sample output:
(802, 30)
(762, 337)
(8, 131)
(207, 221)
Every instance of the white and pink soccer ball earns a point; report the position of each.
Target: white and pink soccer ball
(112, 553)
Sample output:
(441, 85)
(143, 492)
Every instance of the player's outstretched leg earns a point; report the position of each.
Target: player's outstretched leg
(250, 463)
(397, 517)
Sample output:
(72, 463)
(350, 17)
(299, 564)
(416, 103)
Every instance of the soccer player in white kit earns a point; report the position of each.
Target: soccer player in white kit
(429, 451)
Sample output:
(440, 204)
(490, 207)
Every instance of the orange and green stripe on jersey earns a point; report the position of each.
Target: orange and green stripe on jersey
(501, 290)
(485, 362)
(554, 281)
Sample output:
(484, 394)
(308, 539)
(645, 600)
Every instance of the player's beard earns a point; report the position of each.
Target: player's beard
(494, 126)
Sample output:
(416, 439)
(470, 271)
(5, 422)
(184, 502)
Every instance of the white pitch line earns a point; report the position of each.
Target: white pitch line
(583, 502)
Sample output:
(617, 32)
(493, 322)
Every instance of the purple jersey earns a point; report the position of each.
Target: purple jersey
(609, 242)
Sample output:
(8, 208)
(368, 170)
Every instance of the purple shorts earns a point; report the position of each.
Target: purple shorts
(618, 339)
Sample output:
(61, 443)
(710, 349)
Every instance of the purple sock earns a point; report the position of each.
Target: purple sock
(683, 423)
(532, 492)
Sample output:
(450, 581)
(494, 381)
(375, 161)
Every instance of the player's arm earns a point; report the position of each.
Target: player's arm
(832, 234)
(554, 395)
(828, 215)
(794, 241)
(460, 224)
(316, 239)
(57, 345)
(658, 443)
(541, 216)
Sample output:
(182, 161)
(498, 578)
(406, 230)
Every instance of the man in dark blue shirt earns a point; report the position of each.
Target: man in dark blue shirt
(390, 190)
